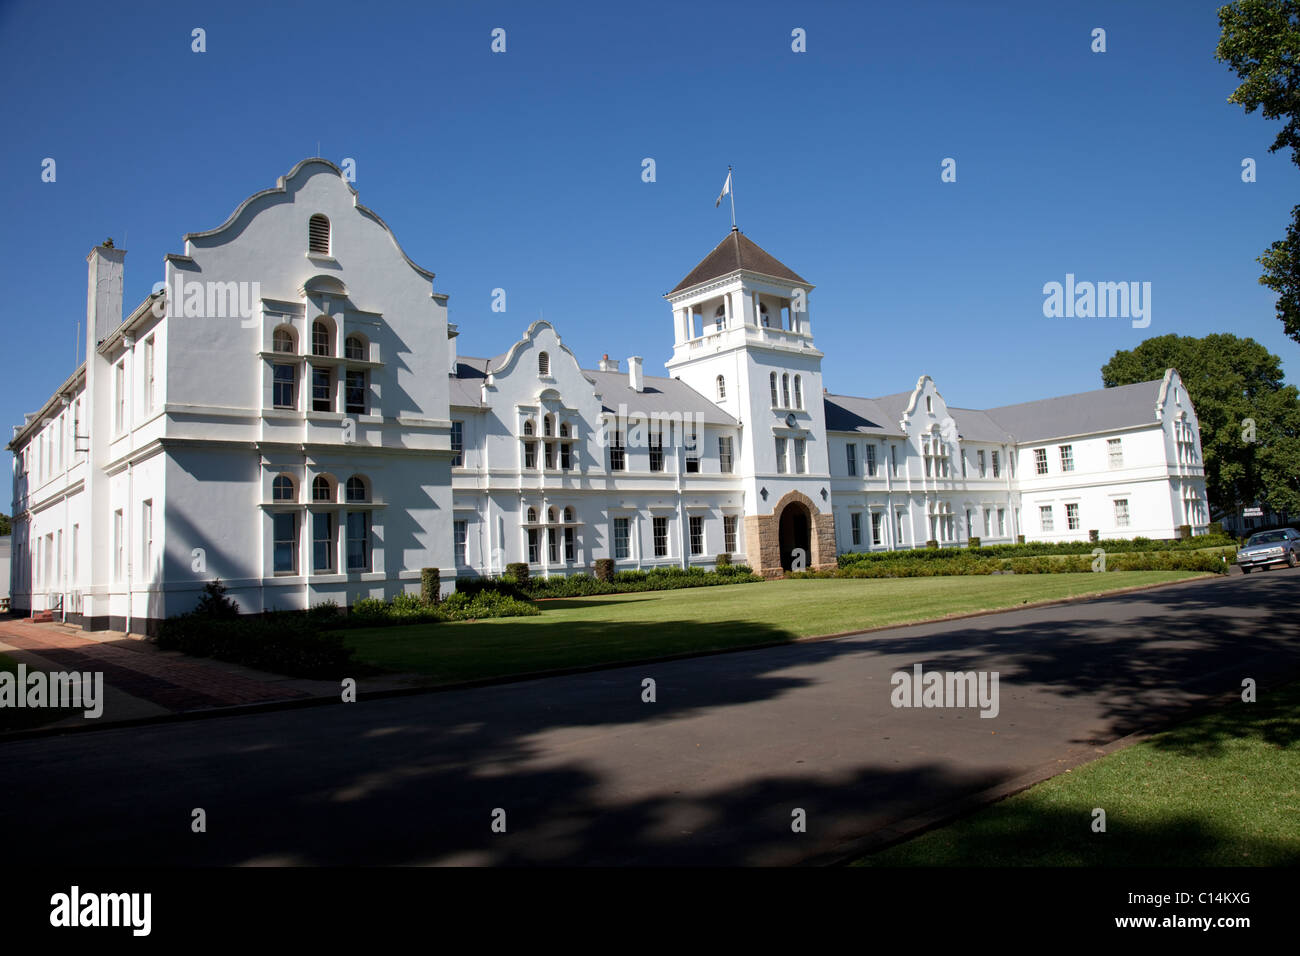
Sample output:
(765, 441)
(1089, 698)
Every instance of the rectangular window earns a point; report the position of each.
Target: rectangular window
(285, 386)
(458, 444)
(358, 540)
(617, 455)
(322, 398)
(898, 527)
(871, 461)
(724, 454)
(729, 533)
(877, 535)
(800, 456)
(284, 535)
(1067, 458)
(692, 451)
(1045, 518)
(697, 534)
(1072, 517)
(988, 521)
(893, 459)
(354, 398)
(553, 545)
(119, 392)
(1002, 521)
(1121, 512)
(148, 374)
(530, 455)
(979, 455)
(855, 528)
(570, 545)
(72, 558)
(534, 547)
(117, 545)
(657, 447)
(460, 532)
(548, 456)
(1116, 448)
(997, 465)
(851, 458)
(661, 537)
(621, 550)
(322, 541)
(1040, 460)
(780, 456)
(566, 456)
(146, 536)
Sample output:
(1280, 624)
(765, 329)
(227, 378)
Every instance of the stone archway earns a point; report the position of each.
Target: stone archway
(795, 522)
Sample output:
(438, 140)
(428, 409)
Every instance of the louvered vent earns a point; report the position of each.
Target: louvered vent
(319, 234)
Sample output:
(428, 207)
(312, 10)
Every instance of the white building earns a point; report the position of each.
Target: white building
(288, 413)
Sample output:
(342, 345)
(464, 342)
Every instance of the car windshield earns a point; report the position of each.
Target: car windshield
(1267, 537)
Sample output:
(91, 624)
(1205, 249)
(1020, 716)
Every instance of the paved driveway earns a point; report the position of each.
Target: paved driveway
(588, 773)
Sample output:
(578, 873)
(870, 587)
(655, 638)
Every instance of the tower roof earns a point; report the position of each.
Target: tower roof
(733, 253)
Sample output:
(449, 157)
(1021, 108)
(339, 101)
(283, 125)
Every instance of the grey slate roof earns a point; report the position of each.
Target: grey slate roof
(733, 253)
(1082, 413)
(845, 413)
(666, 395)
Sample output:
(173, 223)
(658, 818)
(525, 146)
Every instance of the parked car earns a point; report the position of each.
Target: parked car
(1270, 547)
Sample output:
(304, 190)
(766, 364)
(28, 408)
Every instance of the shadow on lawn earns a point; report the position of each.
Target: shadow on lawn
(416, 779)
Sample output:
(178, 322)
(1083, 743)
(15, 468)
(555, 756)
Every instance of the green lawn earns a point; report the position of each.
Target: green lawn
(1221, 790)
(613, 628)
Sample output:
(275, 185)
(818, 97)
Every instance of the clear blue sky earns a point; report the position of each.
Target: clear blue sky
(523, 170)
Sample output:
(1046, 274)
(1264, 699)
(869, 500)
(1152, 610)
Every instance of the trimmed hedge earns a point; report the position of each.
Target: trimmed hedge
(966, 562)
(1112, 545)
(284, 642)
(620, 582)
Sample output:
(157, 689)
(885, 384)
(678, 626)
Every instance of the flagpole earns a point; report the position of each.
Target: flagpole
(732, 192)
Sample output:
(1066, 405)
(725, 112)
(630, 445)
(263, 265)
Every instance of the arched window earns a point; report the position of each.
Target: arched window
(532, 516)
(548, 425)
(282, 488)
(550, 516)
(320, 338)
(785, 390)
(722, 388)
(356, 490)
(564, 429)
(772, 380)
(318, 234)
(354, 347)
(720, 317)
(528, 427)
(543, 363)
(282, 340)
(929, 404)
(568, 515)
(798, 392)
(321, 489)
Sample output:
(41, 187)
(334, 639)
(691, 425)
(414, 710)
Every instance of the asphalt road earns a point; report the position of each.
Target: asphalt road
(710, 773)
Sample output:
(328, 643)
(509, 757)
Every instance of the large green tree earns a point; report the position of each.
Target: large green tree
(1250, 419)
(4, 526)
(1260, 40)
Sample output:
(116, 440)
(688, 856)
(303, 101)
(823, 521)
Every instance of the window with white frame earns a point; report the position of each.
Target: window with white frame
(877, 533)
(1002, 522)
(851, 458)
(726, 457)
(722, 388)
(148, 375)
(322, 389)
(979, 456)
(1045, 521)
(146, 535)
(729, 523)
(785, 390)
(460, 540)
(355, 391)
(622, 550)
(320, 338)
(1072, 516)
(323, 548)
(119, 393)
(871, 461)
(772, 382)
(1040, 461)
(458, 444)
(798, 391)
(284, 542)
(696, 527)
(997, 465)
(692, 449)
(1067, 458)
(1115, 447)
(780, 456)
(359, 540)
(117, 545)
(855, 528)
(617, 453)
(800, 456)
(660, 529)
(1121, 512)
(284, 387)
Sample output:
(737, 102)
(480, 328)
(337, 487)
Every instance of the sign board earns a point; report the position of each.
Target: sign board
(1253, 513)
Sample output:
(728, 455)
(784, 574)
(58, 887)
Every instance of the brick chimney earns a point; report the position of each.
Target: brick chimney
(634, 376)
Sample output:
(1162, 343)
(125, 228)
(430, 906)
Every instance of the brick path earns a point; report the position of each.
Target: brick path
(177, 683)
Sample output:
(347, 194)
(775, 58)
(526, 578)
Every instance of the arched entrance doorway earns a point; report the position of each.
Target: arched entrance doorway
(795, 535)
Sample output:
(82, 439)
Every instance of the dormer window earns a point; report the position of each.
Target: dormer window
(543, 364)
(318, 235)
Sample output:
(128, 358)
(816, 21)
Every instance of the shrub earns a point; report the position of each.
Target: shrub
(284, 642)
(972, 542)
(1184, 531)
(932, 544)
(1020, 539)
(462, 607)
(429, 585)
(213, 603)
(518, 570)
(502, 585)
(1094, 535)
(722, 561)
(604, 569)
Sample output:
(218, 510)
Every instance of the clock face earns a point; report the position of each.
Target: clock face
(791, 420)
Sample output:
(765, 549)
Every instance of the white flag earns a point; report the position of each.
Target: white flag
(726, 188)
